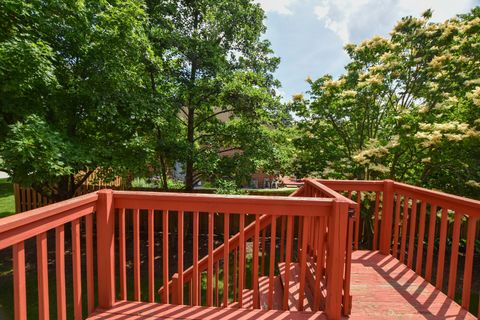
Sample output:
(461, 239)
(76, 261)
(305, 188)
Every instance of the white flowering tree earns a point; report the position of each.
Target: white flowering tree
(407, 108)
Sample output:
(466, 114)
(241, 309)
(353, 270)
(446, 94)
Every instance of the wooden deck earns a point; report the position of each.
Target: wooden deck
(141, 310)
(381, 286)
(384, 288)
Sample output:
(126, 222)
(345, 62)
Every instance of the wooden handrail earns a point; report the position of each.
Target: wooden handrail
(19, 227)
(441, 198)
(295, 206)
(360, 185)
(329, 191)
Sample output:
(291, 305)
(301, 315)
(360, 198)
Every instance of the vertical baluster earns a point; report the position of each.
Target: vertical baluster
(42, 277)
(404, 229)
(200, 289)
(245, 250)
(311, 238)
(210, 261)
(195, 282)
(282, 238)
(151, 256)
(89, 249)
(411, 238)
(226, 255)
(273, 234)
(320, 263)
(60, 272)
(217, 265)
(347, 302)
(122, 254)
(256, 243)
(180, 256)
(288, 257)
(241, 272)
(299, 235)
(467, 274)
(303, 260)
(234, 276)
(190, 293)
(19, 292)
(136, 255)
(358, 214)
(166, 289)
(262, 263)
(77, 270)
(431, 242)
(452, 278)
(396, 226)
(421, 237)
(441, 248)
(375, 221)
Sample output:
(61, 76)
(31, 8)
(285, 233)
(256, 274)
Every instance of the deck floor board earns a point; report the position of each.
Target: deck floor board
(382, 288)
(142, 311)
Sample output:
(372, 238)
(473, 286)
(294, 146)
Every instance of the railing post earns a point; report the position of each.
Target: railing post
(175, 289)
(105, 249)
(337, 236)
(387, 217)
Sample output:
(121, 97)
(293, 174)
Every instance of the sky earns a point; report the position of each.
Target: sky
(309, 35)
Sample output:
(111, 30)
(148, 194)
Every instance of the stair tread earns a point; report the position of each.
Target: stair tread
(294, 287)
(264, 285)
(247, 302)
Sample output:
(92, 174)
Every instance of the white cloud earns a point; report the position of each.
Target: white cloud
(354, 20)
(278, 6)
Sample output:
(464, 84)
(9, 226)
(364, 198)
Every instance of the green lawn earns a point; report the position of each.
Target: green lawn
(7, 199)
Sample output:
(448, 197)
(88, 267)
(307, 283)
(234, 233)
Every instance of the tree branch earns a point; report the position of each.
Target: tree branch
(212, 115)
(79, 183)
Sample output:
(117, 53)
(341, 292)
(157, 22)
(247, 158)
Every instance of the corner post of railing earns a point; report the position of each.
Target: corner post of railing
(105, 248)
(337, 237)
(387, 217)
(175, 289)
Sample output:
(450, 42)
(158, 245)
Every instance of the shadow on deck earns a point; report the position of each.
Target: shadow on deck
(384, 288)
(141, 310)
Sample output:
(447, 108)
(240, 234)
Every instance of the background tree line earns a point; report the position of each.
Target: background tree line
(406, 108)
(130, 87)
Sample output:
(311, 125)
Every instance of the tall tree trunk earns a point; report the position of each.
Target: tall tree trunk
(191, 117)
(164, 172)
(191, 151)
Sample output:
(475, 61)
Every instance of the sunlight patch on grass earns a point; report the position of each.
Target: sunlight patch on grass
(7, 198)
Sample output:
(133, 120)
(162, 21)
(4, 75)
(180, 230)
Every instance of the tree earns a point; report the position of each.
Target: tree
(73, 91)
(406, 108)
(220, 80)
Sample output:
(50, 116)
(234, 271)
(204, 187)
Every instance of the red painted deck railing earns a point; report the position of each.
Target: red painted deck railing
(313, 188)
(15, 230)
(420, 227)
(296, 215)
(106, 218)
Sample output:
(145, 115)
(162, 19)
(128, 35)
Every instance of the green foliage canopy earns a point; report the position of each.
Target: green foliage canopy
(406, 108)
